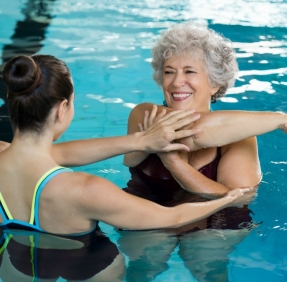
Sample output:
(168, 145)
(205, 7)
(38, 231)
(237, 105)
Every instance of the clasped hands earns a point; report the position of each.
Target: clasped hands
(165, 128)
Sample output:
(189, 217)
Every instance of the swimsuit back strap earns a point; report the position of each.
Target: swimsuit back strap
(4, 211)
(34, 218)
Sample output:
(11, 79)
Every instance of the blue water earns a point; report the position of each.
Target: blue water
(106, 44)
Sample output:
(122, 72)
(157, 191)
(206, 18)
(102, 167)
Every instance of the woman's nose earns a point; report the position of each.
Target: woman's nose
(179, 80)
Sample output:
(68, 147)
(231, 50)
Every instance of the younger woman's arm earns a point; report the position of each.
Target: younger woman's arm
(158, 137)
(106, 202)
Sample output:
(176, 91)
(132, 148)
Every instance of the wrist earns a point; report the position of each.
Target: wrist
(229, 200)
(138, 142)
(169, 159)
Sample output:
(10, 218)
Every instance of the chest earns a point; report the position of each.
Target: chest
(205, 161)
(199, 159)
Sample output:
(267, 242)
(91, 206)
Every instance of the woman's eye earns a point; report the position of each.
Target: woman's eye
(167, 72)
(190, 71)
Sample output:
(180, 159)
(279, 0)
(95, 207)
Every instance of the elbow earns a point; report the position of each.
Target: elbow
(195, 141)
(179, 219)
(199, 139)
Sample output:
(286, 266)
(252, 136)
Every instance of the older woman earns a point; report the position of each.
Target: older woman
(195, 66)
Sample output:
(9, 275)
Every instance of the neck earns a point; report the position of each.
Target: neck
(32, 144)
(205, 108)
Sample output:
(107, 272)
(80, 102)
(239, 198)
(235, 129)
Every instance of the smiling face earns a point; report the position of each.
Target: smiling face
(185, 84)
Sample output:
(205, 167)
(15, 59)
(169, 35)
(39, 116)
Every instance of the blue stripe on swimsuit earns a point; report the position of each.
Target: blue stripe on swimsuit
(34, 217)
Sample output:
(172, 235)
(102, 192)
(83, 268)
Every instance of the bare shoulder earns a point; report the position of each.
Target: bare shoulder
(143, 106)
(80, 190)
(80, 181)
(140, 109)
(84, 187)
(96, 198)
(71, 185)
(137, 116)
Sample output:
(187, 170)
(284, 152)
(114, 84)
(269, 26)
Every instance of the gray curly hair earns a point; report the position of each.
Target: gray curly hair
(214, 50)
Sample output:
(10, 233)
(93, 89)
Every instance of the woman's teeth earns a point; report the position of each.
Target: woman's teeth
(181, 95)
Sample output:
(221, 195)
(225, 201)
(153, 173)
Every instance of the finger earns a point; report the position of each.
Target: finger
(246, 190)
(175, 113)
(161, 114)
(141, 127)
(152, 115)
(146, 116)
(176, 147)
(175, 116)
(184, 133)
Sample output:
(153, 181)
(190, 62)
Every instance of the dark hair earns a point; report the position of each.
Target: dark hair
(35, 84)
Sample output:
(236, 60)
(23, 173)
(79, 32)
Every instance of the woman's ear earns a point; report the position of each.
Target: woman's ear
(61, 110)
(214, 90)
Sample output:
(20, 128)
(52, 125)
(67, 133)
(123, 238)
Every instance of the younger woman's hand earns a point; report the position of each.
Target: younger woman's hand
(159, 131)
(242, 196)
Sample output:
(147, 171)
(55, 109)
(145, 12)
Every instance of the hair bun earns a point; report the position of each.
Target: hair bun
(21, 75)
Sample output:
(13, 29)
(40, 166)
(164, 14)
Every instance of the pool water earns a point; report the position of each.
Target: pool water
(106, 44)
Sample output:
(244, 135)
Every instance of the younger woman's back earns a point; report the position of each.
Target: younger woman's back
(36, 191)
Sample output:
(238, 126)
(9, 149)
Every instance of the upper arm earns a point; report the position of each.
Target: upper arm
(106, 202)
(239, 165)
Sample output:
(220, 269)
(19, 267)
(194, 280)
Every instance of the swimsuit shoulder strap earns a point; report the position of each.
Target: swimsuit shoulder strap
(34, 217)
(4, 211)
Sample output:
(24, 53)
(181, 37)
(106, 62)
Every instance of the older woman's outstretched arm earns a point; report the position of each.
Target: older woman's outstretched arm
(214, 129)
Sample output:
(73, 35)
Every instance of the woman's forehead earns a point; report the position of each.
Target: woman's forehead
(186, 58)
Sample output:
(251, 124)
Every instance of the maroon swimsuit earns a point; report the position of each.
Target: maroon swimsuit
(152, 181)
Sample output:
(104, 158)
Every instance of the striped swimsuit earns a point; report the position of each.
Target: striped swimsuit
(33, 223)
(23, 245)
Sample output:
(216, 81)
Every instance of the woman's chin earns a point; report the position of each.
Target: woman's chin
(181, 106)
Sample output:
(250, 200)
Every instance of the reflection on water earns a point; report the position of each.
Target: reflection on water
(34, 256)
(234, 12)
(205, 253)
(107, 47)
(27, 39)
